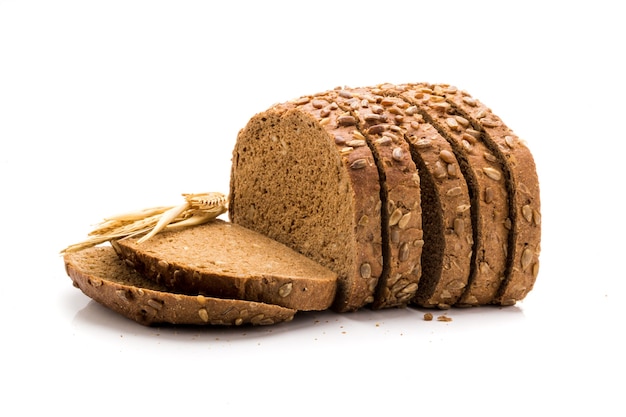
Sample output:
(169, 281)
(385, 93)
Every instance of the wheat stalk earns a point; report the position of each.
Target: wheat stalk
(197, 209)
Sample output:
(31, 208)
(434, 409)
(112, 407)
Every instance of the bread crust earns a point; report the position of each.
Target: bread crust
(448, 236)
(102, 276)
(524, 195)
(401, 216)
(486, 185)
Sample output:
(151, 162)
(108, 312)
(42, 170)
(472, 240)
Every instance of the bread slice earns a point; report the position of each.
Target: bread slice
(225, 260)
(482, 171)
(520, 175)
(298, 177)
(445, 199)
(401, 214)
(101, 275)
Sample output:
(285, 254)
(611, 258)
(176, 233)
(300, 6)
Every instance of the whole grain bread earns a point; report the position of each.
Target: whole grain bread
(299, 177)
(101, 275)
(445, 199)
(377, 122)
(226, 260)
(353, 197)
(520, 175)
(482, 171)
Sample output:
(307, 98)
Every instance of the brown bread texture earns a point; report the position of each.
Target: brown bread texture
(520, 174)
(448, 238)
(299, 177)
(482, 171)
(377, 121)
(225, 260)
(101, 275)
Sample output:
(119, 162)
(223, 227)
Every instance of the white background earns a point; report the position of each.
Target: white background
(110, 106)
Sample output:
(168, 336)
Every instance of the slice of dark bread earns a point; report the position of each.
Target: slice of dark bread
(483, 172)
(226, 260)
(445, 199)
(401, 213)
(101, 275)
(298, 177)
(520, 176)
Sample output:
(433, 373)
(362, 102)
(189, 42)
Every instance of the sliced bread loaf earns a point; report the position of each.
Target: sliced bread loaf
(520, 175)
(225, 260)
(101, 275)
(299, 176)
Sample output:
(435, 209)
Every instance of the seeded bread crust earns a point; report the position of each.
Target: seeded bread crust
(377, 125)
(225, 260)
(101, 275)
(524, 195)
(323, 199)
(445, 200)
(489, 199)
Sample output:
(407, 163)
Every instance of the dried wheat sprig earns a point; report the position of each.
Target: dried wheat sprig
(197, 209)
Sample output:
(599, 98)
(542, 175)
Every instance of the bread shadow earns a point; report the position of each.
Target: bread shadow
(98, 317)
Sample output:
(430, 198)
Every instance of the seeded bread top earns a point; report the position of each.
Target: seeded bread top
(376, 126)
(489, 199)
(445, 209)
(105, 278)
(315, 193)
(225, 260)
(523, 187)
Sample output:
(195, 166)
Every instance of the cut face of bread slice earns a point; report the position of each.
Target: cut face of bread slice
(522, 182)
(225, 260)
(101, 275)
(299, 177)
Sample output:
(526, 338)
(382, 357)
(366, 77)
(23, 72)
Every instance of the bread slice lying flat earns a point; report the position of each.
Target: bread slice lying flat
(103, 276)
(225, 260)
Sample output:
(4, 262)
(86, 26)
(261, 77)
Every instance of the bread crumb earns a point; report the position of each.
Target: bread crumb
(443, 318)
(428, 316)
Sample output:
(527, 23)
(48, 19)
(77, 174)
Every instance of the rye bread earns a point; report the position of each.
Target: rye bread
(295, 179)
(520, 175)
(482, 171)
(225, 260)
(101, 275)
(445, 200)
(401, 214)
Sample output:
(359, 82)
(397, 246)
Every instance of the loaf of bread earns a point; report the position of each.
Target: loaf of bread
(383, 196)
(101, 275)
(479, 196)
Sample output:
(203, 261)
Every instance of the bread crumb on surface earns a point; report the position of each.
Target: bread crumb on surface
(428, 316)
(443, 318)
